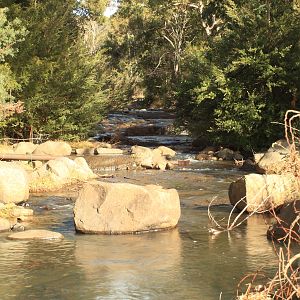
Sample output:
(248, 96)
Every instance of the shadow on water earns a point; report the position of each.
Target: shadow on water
(184, 263)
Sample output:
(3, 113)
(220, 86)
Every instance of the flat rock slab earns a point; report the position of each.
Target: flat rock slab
(36, 235)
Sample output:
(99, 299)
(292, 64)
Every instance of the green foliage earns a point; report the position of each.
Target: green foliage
(246, 77)
(59, 70)
(10, 34)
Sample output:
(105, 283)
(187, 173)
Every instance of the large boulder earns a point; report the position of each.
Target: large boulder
(14, 186)
(287, 225)
(118, 208)
(24, 148)
(263, 192)
(58, 172)
(272, 162)
(55, 148)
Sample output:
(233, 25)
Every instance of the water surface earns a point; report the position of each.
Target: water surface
(184, 263)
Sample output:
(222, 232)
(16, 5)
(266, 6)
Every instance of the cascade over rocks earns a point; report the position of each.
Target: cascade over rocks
(263, 192)
(118, 208)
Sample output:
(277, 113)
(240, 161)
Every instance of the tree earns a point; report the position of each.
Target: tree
(58, 69)
(241, 81)
(11, 33)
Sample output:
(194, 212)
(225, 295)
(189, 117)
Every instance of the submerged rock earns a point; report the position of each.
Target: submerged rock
(118, 208)
(288, 221)
(263, 192)
(38, 234)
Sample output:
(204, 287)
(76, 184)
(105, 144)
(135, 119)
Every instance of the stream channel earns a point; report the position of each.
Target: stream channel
(185, 263)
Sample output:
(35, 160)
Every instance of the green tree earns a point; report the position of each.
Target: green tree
(60, 71)
(243, 79)
(11, 33)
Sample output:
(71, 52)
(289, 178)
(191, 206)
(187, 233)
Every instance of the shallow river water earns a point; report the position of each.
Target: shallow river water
(184, 263)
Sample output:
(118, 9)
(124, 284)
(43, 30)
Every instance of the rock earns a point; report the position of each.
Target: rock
(202, 156)
(54, 148)
(166, 151)
(248, 166)
(24, 148)
(289, 217)
(151, 159)
(118, 208)
(209, 150)
(108, 151)
(225, 154)
(142, 155)
(14, 186)
(58, 172)
(169, 165)
(61, 167)
(280, 146)
(85, 151)
(36, 235)
(270, 162)
(4, 224)
(237, 156)
(17, 227)
(19, 211)
(6, 149)
(262, 192)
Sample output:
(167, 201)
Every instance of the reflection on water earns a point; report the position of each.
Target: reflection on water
(184, 263)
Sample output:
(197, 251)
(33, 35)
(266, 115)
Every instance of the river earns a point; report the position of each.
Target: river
(184, 263)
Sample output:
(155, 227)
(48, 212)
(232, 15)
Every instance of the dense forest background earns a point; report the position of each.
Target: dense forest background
(229, 68)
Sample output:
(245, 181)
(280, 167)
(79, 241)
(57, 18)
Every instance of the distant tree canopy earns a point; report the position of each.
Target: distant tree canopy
(229, 68)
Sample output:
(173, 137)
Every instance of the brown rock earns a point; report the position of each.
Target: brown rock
(289, 217)
(118, 208)
(262, 192)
